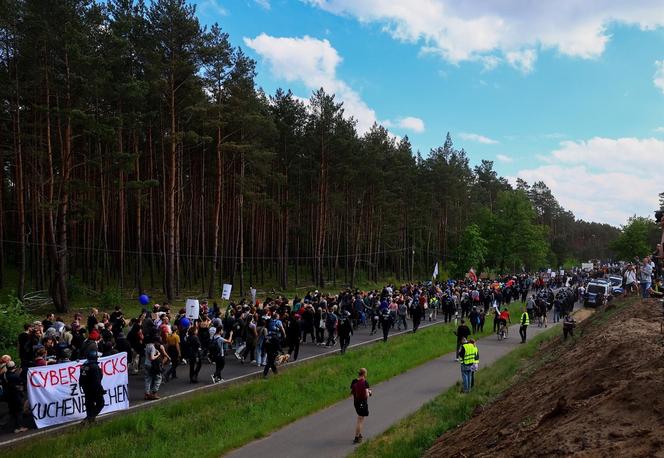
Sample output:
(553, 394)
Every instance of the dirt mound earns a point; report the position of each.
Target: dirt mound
(602, 395)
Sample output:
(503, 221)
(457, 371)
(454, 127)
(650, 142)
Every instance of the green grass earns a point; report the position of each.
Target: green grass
(415, 434)
(209, 424)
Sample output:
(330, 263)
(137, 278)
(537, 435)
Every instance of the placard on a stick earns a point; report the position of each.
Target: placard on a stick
(192, 309)
(226, 291)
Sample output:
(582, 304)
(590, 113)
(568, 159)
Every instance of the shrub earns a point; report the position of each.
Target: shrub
(12, 318)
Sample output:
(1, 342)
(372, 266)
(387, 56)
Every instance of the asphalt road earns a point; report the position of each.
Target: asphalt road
(233, 371)
(329, 433)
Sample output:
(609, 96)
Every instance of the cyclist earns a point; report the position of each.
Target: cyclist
(503, 320)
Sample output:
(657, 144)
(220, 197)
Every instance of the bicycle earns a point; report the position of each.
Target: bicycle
(502, 331)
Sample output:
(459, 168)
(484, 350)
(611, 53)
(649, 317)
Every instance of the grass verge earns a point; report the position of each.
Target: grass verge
(212, 423)
(415, 434)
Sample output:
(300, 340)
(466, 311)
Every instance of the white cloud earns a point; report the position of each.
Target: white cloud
(504, 158)
(477, 138)
(211, 8)
(603, 179)
(475, 30)
(265, 4)
(659, 129)
(312, 62)
(412, 123)
(658, 77)
(522, 60)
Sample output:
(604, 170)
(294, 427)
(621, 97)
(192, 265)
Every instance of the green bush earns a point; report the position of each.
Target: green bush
(110, 298)
(12, 318)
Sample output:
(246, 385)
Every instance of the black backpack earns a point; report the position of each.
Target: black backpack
(213, 349)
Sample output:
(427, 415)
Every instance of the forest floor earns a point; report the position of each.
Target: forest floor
(598, 396)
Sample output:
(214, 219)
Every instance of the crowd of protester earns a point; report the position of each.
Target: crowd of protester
(162, 342)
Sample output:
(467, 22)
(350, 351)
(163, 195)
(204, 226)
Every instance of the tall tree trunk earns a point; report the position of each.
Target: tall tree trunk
(217, 213)
(171, 190)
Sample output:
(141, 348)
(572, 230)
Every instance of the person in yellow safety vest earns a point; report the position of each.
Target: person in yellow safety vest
(468, 354)
(525, 321)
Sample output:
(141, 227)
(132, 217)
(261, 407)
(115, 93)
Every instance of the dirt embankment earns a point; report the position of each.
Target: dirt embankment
(601, 396)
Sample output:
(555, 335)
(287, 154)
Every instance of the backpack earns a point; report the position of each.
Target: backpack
(213, 348)
(84, 379)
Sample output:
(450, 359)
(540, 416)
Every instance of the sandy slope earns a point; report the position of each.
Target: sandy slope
(601, 396)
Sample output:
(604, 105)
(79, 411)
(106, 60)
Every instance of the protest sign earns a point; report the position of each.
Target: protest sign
(192, 309)
(56, 397)
(226, 291)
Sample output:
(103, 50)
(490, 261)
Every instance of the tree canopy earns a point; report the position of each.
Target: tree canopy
(138, 152)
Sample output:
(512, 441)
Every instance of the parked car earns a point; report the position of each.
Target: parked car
(616, 285)
(598, 292)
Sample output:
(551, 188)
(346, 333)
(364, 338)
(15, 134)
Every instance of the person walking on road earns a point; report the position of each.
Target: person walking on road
(468, 355)
(216, 352)
(385, 323)
(193, 353)
(90, 382)
(345, 330)
(359, 388)
(525, 321)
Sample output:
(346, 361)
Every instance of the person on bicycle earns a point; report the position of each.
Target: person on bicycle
(503, 320)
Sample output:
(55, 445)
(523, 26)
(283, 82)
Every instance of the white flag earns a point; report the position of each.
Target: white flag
(435, 271)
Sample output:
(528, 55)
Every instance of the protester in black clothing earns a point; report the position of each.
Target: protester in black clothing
(474, 318)
(90, 382)
(272, 349)
(293, 336)
(308, 323)
(192, 353)
(448, 308)
(385, 323)
(345, 330)
(14, 394)
(462, 332)
(92, 320)
(416, 313)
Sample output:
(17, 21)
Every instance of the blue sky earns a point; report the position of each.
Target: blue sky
(568, 92)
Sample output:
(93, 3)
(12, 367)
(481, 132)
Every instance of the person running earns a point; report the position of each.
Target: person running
(359, 388)
(90, 381)
(525, 321)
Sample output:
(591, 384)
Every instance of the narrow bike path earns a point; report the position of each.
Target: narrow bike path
(329, 432)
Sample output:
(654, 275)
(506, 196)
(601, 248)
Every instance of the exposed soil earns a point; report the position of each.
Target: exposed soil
(600, 396)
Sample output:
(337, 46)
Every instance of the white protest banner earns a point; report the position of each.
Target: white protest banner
(56, 397)
(226, 291)
(192, 309)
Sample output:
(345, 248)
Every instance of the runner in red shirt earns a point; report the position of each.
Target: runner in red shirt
(359, 388)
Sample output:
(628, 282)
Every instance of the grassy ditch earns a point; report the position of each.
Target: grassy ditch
(212, 423)
(415, 434)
